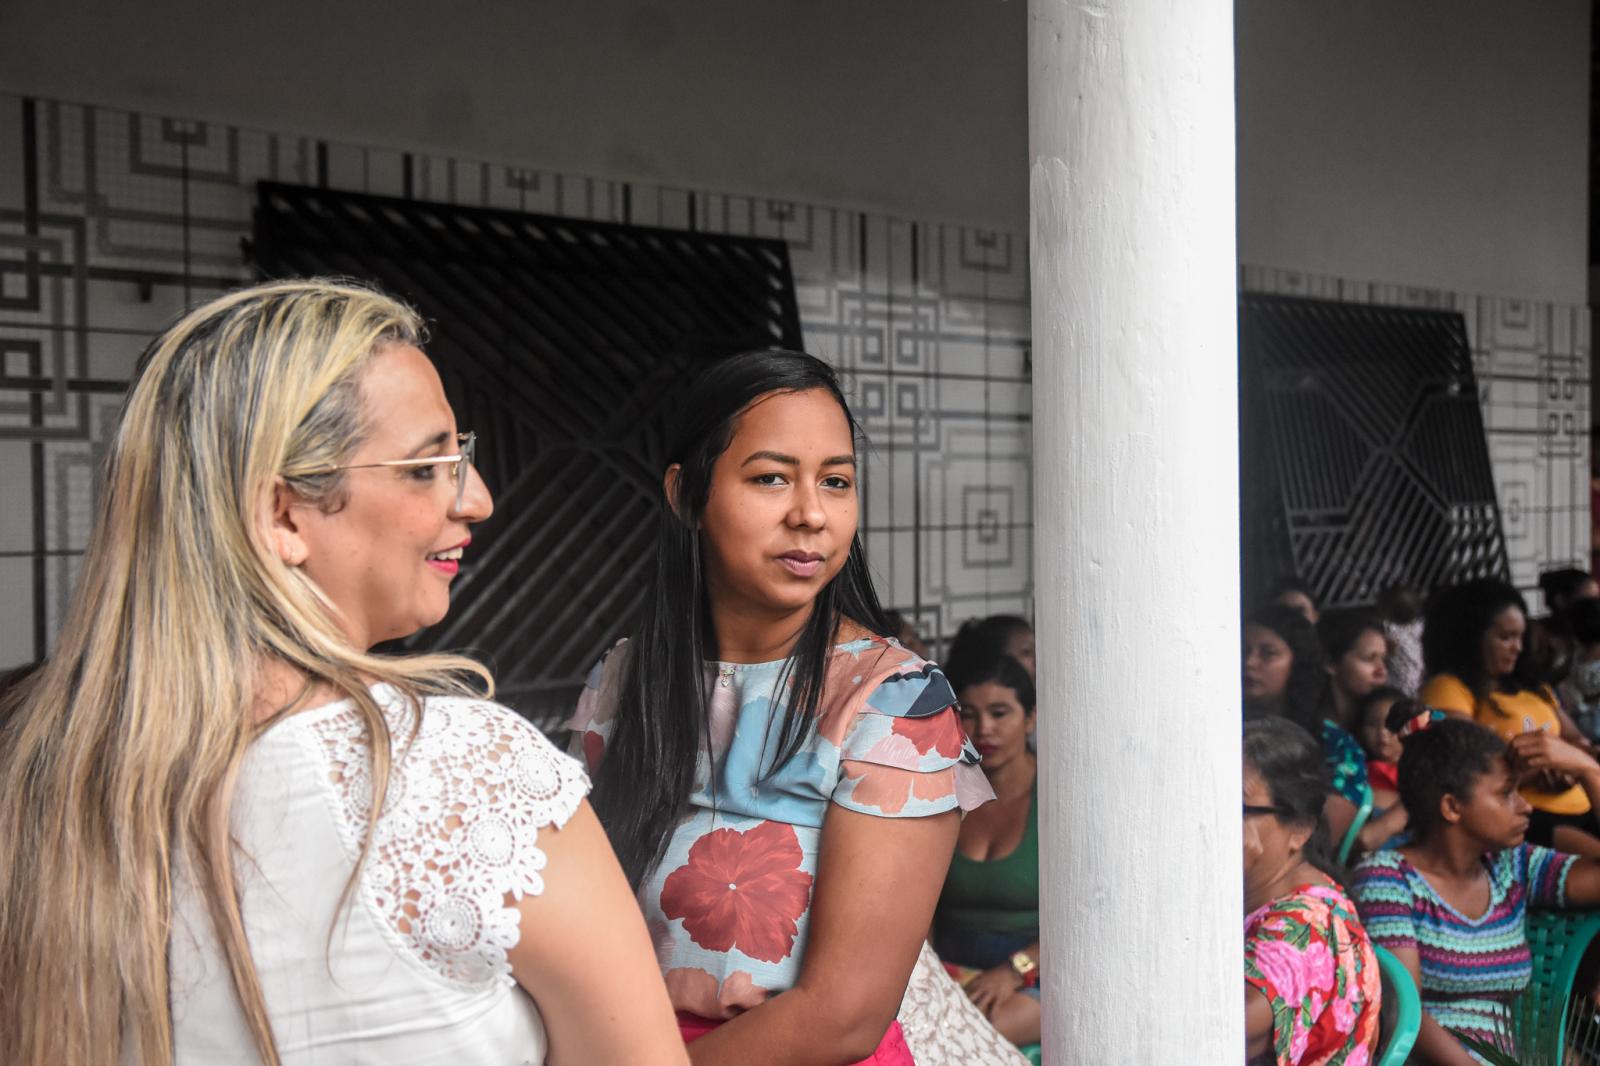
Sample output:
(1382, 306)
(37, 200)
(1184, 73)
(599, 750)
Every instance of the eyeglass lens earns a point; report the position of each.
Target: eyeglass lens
(469, 445)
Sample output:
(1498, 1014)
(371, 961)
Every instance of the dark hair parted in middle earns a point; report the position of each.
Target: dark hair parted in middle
(661, 722)
(1340, 629)
(1452, 637)
(1305, 699)
(964, 671)
(1444, 759)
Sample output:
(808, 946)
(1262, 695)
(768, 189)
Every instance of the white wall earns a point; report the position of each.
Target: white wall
(1441, 143)
(1427, 142)
(918, 107)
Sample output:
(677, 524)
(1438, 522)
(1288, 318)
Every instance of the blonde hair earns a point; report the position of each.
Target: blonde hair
(118, 759)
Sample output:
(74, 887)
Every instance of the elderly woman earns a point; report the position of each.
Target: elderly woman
(228, 831)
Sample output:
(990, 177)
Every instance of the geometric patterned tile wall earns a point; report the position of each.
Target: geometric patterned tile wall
(112, 222)
(1532, 362)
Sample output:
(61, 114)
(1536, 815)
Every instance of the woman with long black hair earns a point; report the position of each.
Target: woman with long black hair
(780, 781)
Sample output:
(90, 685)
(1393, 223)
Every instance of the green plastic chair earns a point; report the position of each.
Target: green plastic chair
(1033, 1052)
(1399, 996)
(1541, 1015)
(1363, 813)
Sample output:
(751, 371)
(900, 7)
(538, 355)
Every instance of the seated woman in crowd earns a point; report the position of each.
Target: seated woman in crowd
(231, 833)
(1451, 903)
(1483, 670)
(985, 639)
(1292, 592)
(1284, 672)
(1580, 692)
(1354, 644)
(1550, 637)
(781, 782)
(1312, 988)
(988, 917)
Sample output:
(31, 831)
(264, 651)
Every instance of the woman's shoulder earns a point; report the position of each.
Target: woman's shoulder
(882, 675)
(470, 748)
(1448, 693)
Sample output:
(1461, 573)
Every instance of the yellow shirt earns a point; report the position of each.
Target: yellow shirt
(1508, 715)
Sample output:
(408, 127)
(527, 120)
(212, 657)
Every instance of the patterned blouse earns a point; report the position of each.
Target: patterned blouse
(1307, 953)
(1347, 763)
(729, 904)
(1472, 968)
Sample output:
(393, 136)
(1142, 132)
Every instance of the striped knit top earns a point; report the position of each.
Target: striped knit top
(1472, 968)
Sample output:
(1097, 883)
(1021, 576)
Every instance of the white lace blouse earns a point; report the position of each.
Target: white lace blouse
(414, 969)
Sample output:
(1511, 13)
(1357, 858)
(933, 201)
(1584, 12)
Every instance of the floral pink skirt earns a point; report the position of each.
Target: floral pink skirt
(892, 1049)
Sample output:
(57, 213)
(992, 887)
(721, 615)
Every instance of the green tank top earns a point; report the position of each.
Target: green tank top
(998, 896)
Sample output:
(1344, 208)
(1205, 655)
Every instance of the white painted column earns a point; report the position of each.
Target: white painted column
(1136, 525)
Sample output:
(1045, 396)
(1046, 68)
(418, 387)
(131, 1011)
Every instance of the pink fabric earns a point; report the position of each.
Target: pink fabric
(892, 1049)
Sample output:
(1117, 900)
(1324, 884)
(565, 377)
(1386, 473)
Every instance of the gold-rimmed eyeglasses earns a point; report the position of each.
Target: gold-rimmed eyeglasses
(461, 464)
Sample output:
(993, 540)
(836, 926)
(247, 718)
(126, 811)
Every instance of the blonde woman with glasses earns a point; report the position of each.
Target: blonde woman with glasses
(231, 833)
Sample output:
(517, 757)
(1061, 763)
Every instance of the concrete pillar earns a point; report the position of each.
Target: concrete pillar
(1136, 524)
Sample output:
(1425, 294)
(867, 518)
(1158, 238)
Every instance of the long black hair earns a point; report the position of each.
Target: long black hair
(1444, 759)
(1452, 637)
(661, 718)
(1290, 763)
(1307, 697)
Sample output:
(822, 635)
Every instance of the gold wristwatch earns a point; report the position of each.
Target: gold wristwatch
(1026, 968)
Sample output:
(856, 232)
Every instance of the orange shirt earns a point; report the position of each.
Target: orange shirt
(1508, 715)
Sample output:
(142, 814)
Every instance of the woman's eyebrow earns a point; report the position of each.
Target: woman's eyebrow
(789, 460)
(432, 442)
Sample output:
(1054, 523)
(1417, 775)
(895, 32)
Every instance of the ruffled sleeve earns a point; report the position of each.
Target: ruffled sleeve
(591, 720)
(905, 755)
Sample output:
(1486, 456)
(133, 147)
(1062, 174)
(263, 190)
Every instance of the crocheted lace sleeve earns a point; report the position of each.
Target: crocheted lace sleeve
(457, 841)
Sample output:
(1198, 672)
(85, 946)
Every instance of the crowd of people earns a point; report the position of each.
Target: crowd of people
(1460, 725)
(231, 831)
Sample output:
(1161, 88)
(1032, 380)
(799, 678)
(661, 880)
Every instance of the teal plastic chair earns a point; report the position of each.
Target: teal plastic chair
(1400, 1000)
(1033, 1052)
(1363, 812)
(1543, 1018)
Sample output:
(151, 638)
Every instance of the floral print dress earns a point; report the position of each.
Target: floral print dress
(1308, 954)
(730, 903)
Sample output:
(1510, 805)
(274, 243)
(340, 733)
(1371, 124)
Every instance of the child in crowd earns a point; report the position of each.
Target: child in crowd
(1380, 744)
(1312, 988)
(1400, 609)
(1382, 747)
(1451, 903)
(781, 782)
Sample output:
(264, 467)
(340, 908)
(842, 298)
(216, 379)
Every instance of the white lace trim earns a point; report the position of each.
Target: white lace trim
(459, 827)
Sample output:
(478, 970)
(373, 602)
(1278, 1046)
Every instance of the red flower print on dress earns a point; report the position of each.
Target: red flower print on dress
(741, 890)
(941, 732)
(594, 750)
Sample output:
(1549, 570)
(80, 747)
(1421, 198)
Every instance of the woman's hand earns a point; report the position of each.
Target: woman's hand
(1545, 753)
(993, 987)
